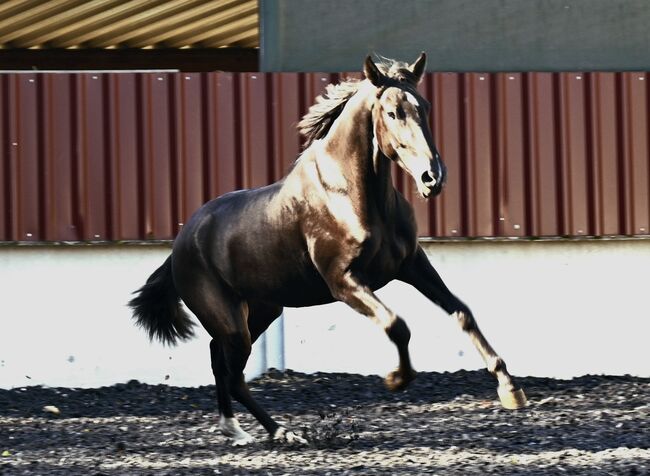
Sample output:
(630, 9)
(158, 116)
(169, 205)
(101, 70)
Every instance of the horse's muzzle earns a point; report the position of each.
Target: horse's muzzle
(432, 186)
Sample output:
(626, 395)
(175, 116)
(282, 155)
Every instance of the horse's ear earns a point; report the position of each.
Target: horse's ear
(417, 68)
(372, 72)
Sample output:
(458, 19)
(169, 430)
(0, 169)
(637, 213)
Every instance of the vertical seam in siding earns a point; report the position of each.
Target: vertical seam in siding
(238, 159)
(6, 153)
(462, 152)
(116, 231)
(75, 168)
(40, 159)
(647, 111)
(566, 156)
(205, 137)
(561, 215)
(18, 163)
(497, 169)
(108, 157)
(174, 159)
(270, 129)
(526, 151)
(621, 162)
(49, 159)
(593, 163)
(83, 137)
(140, 156)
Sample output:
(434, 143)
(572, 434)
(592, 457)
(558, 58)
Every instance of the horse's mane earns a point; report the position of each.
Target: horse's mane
(316, 123)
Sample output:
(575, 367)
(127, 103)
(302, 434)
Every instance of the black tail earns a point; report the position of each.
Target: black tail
(157, 308)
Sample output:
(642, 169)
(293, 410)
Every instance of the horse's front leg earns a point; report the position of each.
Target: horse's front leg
(359, 297)
(419, 273)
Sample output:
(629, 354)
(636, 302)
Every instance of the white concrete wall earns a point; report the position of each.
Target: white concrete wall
(557, 309)
(64, 321)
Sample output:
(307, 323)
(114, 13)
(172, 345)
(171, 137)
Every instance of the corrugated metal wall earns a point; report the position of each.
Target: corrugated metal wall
(129, 156)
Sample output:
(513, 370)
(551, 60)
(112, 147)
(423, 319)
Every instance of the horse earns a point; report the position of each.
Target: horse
(333, 229)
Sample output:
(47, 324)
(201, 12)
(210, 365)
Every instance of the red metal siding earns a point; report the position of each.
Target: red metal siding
(129, 156)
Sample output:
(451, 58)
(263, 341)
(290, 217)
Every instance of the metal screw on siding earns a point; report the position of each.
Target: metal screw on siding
(501, 219)
(180, 224)
(323, 80)
(253, 77)
(578, 77)
(96, 236)
(481, 78)
(642, 229)
(511, 77)
(28, 235)
(160, 79)
(516, 226)
(15, 144)
(188, 78)
(453, 232)
(31, 80)
(94, 77)
(580, 232)
(641, 78)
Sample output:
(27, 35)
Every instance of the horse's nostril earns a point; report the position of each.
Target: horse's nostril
(427, 178)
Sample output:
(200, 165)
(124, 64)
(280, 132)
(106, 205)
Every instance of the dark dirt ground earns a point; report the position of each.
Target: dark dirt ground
(445, 424)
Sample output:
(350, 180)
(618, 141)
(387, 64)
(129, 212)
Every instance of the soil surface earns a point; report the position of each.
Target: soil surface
(446, 424)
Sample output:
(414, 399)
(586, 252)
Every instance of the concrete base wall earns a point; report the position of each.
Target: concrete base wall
(557, 309)
(554, 309)
(64, 322)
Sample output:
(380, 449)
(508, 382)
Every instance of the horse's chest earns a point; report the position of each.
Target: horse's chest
(386, 261)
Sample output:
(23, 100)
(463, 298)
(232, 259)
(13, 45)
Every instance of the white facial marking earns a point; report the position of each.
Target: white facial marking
(410, 98)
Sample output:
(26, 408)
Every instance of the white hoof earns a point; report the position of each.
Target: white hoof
(281, 434)
(243, 440)
(230, 427)
(512, 399)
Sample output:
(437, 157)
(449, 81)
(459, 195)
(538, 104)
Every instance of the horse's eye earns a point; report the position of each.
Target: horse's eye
(391, 115)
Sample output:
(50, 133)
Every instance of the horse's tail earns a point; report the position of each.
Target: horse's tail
(157, 308)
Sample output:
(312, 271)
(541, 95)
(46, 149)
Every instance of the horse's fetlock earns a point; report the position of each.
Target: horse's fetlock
(496, 365)
(398, 331)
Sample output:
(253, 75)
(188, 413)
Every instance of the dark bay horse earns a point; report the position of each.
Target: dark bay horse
(333, 229)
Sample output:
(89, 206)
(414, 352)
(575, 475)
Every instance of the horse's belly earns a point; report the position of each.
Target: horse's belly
(280, 279)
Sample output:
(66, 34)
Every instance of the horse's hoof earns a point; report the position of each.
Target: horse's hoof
(282, 435)
(230, 428)
(396, 380)
(243, 440)
(512, 399)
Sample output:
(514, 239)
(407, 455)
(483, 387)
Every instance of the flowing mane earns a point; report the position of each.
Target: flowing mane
(316, 123)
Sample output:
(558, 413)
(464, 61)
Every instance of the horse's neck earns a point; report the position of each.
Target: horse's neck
(350, 145)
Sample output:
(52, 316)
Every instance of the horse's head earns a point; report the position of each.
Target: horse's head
(401, 128)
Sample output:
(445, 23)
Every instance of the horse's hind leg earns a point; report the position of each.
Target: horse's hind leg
(228, 424)
(420, 274)
(223, 315)
(229, 357)
(260, 316)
